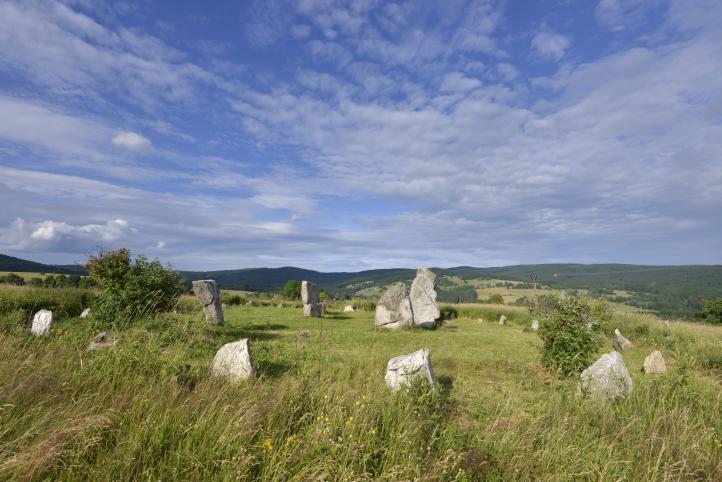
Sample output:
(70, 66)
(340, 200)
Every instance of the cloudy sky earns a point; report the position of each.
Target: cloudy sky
(345, 135)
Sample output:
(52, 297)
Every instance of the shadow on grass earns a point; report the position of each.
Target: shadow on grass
(335, 316)
(254, 332)
(274, 369)
(446, 383)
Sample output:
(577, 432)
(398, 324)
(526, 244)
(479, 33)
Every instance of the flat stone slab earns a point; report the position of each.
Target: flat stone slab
(42, 323)
(402, 371)
(234, 361)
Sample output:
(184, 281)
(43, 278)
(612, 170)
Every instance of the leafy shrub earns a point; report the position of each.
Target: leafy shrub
(291, 290)
(12, 279)
(232, 300)
(496, 299)
(132, 289)
(364, 305)
(448, 312)
(572, 334)
(712, 312)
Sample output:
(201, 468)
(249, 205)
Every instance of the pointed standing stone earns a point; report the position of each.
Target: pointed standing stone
(654, 364)
(42, 323)
(606, 379)
(423, 298)
(534, 325)
(503, 319)
(207, 294)
(619, 342)
(234, 361)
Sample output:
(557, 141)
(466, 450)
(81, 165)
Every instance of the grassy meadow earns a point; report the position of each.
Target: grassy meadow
(147, 409)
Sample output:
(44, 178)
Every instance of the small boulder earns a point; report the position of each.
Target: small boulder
(619, 342)
(534, 325)
(234, 361)
(503, 319)
(607, 379)
(348, 309)
(423, 298)
(85, 313)
(42, 323)
(102, 341)
(207, 293)
(393, 310)
(402, 370)
(654, 364)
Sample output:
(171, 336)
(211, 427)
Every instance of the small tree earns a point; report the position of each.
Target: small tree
(291, 290)
(132, 289)
(572, 333)
(496, 299)
(712, 311)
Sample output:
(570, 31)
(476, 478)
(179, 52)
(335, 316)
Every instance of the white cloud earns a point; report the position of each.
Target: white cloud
(133, 142)
(550, 45)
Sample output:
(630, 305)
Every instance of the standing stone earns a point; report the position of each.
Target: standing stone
(42, 322)
(234, 361)
(534, 325)
(403, 370)
(423, 298)
(619, 342)
(606, 379)
(654, 364)
(348, 309)
(207, 294)
(502, 320)
(85, 313)
(393, 310)
(311, 297)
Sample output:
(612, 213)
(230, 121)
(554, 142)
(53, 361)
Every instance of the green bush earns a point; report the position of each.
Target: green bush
(12, 279)
(712, 312)
(232, 300)
(364, 305)
(572, 334)
(448, 312)
(496, 299)
(132, 289)
(291, 290)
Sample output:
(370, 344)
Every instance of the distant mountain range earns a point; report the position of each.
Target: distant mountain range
(665, 288)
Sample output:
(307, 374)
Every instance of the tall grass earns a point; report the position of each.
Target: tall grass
(148, 409)
(63, 302)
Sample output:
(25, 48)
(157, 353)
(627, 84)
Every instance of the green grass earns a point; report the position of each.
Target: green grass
(147, 410)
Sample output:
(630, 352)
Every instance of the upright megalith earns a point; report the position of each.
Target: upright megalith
(423, 298)
(393, 310)
(619, 342)
(234, 361)
(85, 313)
(654, 364)
(402, 371)
(311, 297)
(534, 325)
(503, 319)
(42, 323)
(207, 294)
(607, 379)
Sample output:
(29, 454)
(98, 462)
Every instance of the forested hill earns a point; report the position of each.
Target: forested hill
(667, 289)
(17, 265)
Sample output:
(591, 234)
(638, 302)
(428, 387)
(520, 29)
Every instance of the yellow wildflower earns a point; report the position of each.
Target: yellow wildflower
(268, 444)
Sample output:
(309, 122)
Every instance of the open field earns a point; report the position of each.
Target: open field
(147, 410)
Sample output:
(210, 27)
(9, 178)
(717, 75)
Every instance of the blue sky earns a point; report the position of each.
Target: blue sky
(346, 135)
